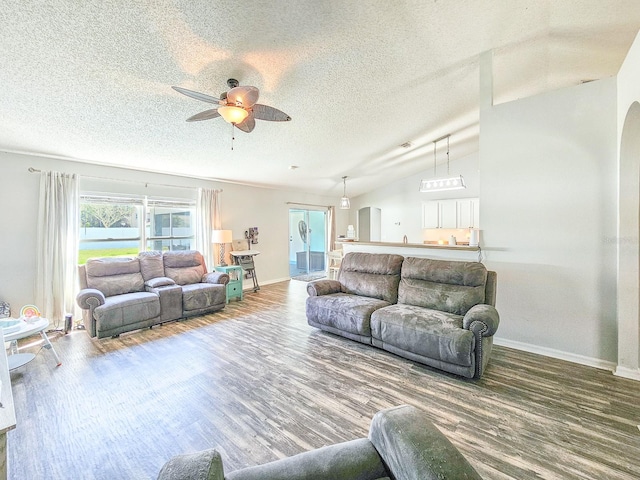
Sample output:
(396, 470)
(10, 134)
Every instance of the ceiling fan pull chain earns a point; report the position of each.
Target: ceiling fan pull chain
(233, 134)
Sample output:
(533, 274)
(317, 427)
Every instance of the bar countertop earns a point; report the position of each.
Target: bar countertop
(410, 245)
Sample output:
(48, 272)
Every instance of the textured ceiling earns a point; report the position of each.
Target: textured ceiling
(91, 80)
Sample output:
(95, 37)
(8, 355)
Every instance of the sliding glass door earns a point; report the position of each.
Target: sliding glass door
(307, 243)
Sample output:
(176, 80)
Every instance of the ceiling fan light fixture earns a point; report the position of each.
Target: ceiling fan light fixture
(232, 114)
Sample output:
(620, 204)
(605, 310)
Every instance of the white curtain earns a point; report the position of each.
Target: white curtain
(331, 231)
(207, 219)
(57, 247)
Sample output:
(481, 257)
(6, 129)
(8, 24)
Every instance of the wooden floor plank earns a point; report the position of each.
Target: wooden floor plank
(256, 382)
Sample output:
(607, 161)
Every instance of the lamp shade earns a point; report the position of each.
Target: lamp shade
(233, 114)
(221, 236)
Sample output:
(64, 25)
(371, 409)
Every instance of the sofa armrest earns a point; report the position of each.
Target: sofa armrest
(204, 465)
(413, 447)
(215, 277)
(323, 287)
(158, 282)
(90, 298)
(355, 459)
(483, 318)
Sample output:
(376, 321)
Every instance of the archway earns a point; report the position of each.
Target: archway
(629, 247)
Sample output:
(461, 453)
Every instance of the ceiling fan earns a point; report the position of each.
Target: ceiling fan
(237, 106)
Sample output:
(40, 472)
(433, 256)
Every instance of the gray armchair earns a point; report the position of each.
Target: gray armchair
(402, 445)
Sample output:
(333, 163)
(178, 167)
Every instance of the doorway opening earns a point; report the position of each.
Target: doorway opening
(307, 244)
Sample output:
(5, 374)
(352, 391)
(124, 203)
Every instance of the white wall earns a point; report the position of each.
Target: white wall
(548, 210)
(241, 207)
(401, 201)
(628, 136)
(546, 179)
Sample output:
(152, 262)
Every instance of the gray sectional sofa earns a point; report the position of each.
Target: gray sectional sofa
(122, 294)
(402, 445)
(439, 313)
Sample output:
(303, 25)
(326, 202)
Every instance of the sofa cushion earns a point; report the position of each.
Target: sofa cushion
(151, 264)
(114, 276)
(429, 333)
(184, 267)
(450, 286)
(198, 296)
(373, 275)
(126, 309)
(343, 311)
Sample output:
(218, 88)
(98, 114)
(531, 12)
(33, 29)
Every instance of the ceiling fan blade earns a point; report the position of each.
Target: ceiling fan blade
(197, 95)
(265, 112)
(243, 95)
(248, 124)
(206, 115)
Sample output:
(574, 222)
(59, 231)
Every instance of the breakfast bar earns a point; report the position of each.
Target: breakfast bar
(446, 252)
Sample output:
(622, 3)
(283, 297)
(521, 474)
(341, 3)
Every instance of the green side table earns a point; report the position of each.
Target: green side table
(234, 287)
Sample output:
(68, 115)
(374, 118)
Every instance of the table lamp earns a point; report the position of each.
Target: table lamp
(221, 237)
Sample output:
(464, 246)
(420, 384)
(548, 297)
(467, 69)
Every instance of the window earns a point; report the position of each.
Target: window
(168, 226)
(112, 226)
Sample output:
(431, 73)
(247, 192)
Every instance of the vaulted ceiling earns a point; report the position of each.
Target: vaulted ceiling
(91, 81)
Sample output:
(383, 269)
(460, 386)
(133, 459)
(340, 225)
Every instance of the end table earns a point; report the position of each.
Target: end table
(234, 287)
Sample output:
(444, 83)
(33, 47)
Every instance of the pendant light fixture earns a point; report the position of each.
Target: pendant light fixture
(345, 204)
(441, 184)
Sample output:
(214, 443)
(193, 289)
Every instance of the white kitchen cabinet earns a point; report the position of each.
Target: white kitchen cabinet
(453, 213)
(448, 214)
(430, 215)
(468, 213)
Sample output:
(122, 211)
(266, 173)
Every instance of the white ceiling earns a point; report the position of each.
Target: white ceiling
(91, 80)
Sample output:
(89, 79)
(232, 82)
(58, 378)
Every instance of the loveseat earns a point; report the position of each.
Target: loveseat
(122, 294)
(440, 313)
(402, 445)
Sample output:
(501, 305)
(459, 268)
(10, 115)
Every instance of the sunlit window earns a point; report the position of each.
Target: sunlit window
(112, 226)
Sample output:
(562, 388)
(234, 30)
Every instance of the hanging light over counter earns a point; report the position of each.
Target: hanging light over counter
(445, 183)
(345, 204)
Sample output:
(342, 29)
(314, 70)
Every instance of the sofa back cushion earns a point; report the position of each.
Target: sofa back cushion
(445, 285)
(374, 275)
(151, 265)
(184, 267)
(114, 276)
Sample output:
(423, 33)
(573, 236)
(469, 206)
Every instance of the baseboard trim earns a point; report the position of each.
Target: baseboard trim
(247, 284)
(277, 280)
(550, 352)
(624, 372)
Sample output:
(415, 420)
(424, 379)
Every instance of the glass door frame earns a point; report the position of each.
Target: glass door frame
(304, 223)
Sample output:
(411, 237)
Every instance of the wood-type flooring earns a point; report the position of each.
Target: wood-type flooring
(257, 383)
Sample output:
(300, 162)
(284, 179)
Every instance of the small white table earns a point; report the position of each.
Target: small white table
(27, 329)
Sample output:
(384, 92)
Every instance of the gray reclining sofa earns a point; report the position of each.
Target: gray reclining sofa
(122, 294)
(439, 313)
(402, 445)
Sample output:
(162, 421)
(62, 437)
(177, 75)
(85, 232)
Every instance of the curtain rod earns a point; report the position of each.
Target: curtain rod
(309, 204)
(35, 170)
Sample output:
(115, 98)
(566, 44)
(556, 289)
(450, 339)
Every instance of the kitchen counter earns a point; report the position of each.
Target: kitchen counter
(447, 252)
(413, 245)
